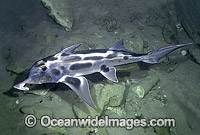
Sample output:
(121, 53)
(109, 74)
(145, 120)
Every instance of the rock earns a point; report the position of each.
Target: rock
(183, 52)
(171, 67)
(195, 53)
(144, 86)
(132, 106)
(54, 97)
(36, 110)
(162, 130)
(191, 31)
(145, 44)
(41, 90)
(38, 92)
(61, 12)
(139, 91)
(135, 16)
(109, 95)
(130, 34)
(161, 98)
(5, 52)
(87, 131)
(101, 17)
(115, 111)
(151, 19)
(16, 68)
(48, 38)
(128, 67)
(107, 23)
(135, 44)
(188, 12)
(10, 105)
(140, 25)
(59, 130)
(121, 131)
(169, 33)
(102, 131)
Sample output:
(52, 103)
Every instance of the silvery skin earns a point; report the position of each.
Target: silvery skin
(70, 66)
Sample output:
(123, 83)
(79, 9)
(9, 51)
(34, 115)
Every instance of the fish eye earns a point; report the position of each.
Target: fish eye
(44, 68)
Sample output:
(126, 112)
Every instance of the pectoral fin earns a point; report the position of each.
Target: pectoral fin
(80, 86)
(109, 73)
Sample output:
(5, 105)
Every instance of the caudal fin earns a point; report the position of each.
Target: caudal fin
(155, 56)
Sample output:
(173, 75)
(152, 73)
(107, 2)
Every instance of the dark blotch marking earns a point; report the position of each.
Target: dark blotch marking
(80, 66)
(44, 68)
(50, 58)
(132, 53)
(125, 57)
(93, 58)
(136, 55)
(63, 68)
(48, 78)
(126, 52)
(104, 68)
(72, 58)
(110, 56)
(55, 71)
(91, 51)
(64, 54)
(73, 81)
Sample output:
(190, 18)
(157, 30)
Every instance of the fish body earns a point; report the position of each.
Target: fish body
(70, 66)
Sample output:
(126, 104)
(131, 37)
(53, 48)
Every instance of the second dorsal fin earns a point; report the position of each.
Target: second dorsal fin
(118, 46)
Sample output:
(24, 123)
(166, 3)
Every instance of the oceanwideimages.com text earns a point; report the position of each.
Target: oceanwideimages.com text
(128, 123)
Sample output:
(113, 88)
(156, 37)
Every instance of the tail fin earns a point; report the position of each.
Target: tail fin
(155, 56)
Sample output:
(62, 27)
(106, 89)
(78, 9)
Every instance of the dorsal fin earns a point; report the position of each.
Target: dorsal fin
(118, 46)
(68, 50)
(71, 48)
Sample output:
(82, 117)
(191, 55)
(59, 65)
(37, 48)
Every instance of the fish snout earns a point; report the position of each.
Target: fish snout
(21, 86)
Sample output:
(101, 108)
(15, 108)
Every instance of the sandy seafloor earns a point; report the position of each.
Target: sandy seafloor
(30, 34)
